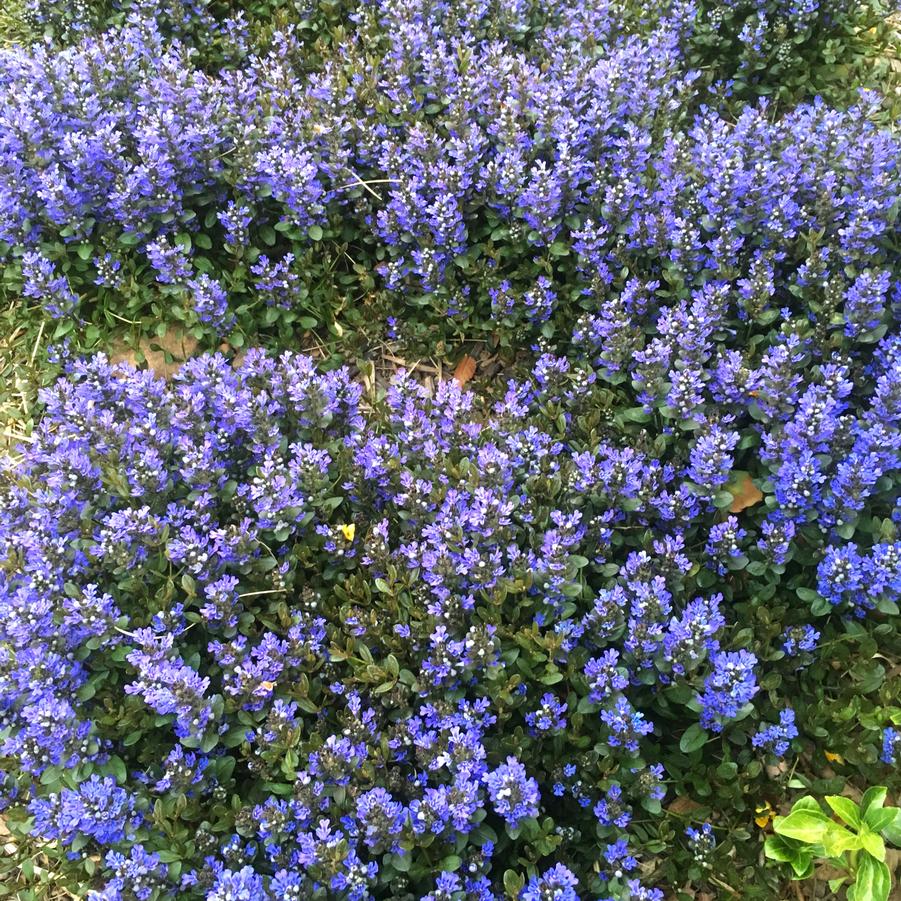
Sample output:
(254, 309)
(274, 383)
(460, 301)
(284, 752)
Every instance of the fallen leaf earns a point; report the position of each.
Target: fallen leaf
(683, 805)
(465, 370)
(177, 343)
(765, 813)
(744, 492)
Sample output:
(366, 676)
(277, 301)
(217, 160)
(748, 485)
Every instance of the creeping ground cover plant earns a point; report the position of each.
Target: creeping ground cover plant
(440, 166)
(279, 629)
(267, 636)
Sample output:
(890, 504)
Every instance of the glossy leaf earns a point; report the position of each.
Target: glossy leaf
(846, 809)
(803, 825)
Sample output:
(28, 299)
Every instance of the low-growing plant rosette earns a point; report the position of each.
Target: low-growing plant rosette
(263, 636)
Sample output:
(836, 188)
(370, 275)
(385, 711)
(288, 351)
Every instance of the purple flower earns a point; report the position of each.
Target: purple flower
(514, 794)
(776, 738)
(702, 844)
(558, 883)
(891, 745)
(712, 458)
(169, 260)
(354, 877)
(98, 809)
(169, 686)
(617, 855)
(799, 639)
(626, 725)
(42, 282)
(604, 676)
(610, 810)
(550, 717)
(240, 885)
(381, 817)
(140, 873)
(728, 688)
(210, 302)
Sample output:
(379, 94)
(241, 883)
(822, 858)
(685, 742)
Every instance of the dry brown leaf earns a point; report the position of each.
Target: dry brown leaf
(744, 493)
(465, 370)
(683, 805)
(178, 344)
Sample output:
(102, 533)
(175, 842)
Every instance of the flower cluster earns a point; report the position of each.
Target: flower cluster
(702, 844)
(344, 637)
(776, 738)
(498, 163)
(264, 637)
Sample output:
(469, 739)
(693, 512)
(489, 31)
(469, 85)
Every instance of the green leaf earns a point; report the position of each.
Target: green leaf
(777, 848)
(116, 766)
(315, 232)
(881, 818)
(50, 775)
(846, 809)
(873, 844)
(836, 840)
(513, 883)
(803, 825)
(892, 832)
(803, 863)
(722, 500)
(873, 881)
(693, 737)
(806, 803)
(635, 414)
(235, 736)
(872, 798)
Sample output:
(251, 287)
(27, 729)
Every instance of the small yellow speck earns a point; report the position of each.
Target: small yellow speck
(765, 813)
(349, 531)
(833, 758)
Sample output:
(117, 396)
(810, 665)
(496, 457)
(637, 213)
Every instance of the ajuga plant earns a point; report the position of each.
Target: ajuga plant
(790, 50)
(262, 637)
(221, 32)
(447, 166)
